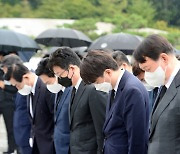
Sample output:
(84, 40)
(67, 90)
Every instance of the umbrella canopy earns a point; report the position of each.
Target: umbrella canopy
(117, 41)
(63, 37)
(13, 41)
(25, 56)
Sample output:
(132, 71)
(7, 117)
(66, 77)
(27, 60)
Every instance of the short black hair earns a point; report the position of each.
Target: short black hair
(120, 57)
(16, 71)
(94, 65)
(43, 68)
(152, 46)
(63, 57)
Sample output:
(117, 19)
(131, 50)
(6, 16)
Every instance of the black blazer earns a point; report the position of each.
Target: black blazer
(86, 120)
(43, 118)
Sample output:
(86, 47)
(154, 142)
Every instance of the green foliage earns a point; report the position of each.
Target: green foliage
(86, 25)
(143, 8)
(167, 10)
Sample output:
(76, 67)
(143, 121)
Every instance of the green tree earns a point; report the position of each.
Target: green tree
(168, 10)
(142, 8)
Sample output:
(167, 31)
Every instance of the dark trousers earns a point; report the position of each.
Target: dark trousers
(8, 113)
(25, 150)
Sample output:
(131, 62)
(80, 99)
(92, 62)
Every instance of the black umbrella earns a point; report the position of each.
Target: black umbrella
(63, 37)
(117, 41)
(13, 41)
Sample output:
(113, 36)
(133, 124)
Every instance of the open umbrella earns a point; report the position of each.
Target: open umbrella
(26, 56)
(63, 37)
(117, 41)
(13, 41)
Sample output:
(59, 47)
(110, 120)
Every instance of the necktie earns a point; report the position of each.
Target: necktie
(73, 95)
(161, 94)
(58, 98)
(112, 97)
(32, 97)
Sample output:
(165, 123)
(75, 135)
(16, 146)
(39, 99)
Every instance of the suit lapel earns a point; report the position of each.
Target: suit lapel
(166, 100)
(77, 97)
(118, 94)
(62, 100)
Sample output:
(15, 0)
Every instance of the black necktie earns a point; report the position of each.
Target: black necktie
(58, 98)
(112, 97)
(73, 95)
(32, 97)
(161, 94)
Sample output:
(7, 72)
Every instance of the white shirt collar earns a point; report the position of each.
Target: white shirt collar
(119, 79)
(63, 88)
(78, 83)
(175, 71)
(34, 85)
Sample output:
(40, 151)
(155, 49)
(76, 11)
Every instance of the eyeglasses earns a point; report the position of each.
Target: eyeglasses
(59, 75)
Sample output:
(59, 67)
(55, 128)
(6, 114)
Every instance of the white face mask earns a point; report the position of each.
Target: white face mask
(105, 87)
(156, 78)
(147, 86)
(54, 88)
(26, 90)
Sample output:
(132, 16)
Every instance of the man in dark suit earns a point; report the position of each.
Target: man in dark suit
(127, 113)
(61, 116)
(40, 105)
(21, 121)
(87, 106)
(22, 124)
(157, 58)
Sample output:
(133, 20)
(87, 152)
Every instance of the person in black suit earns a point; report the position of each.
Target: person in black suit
(40, 105)
(21, 121)
(61, 117)
(7, 106)
(87, 106)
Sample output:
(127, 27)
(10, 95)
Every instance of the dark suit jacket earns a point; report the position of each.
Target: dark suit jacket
(86, 120)
(22, 125)
(61, 129)
(43, 119)
(165, 122)
(126, 124)
(7, 95)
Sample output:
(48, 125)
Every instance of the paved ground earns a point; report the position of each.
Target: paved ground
(3, 139)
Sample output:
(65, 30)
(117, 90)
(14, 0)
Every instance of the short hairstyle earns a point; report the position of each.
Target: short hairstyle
(136, 69)
(63, 57)
(10, 60)
(152, 46)
(43, 68)
(94, 65)
(16, 71)
(120, 57)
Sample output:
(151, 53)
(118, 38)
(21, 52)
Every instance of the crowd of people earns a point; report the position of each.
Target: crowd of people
(97, 104)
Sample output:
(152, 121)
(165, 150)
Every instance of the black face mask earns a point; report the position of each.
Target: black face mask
(66, 82)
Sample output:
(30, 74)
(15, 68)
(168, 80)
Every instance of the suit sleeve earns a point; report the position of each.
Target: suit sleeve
(97, 103)
(135, 119)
